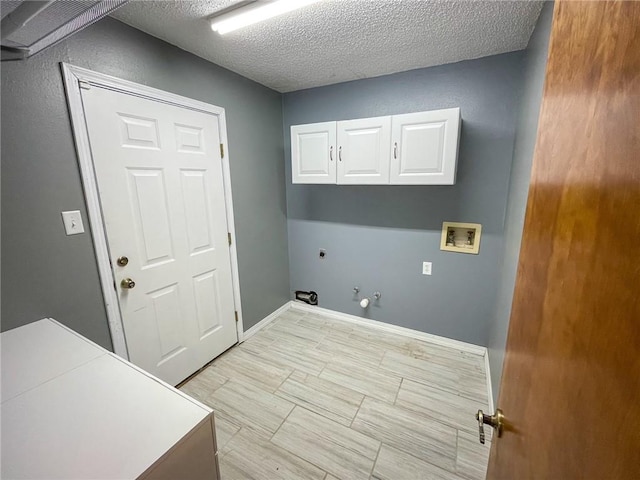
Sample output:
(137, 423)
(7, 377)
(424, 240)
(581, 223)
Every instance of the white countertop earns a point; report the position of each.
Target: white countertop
(71, 409)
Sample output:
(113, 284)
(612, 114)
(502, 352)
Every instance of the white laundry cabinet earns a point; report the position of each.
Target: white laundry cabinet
(409, 149)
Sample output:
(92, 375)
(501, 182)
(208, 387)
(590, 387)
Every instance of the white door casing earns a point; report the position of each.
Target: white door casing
(425, 147)
(313, 156)
(182, 266)
(363, 151)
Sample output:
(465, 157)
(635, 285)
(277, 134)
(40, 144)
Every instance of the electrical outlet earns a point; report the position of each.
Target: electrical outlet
(426, 268)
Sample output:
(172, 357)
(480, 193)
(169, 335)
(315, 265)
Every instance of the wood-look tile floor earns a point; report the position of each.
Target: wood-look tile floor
(310, 397)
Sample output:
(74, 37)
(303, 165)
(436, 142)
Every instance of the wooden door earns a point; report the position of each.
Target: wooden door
(571, 384)
(364, 147)
(425, 147)
(160, 180)
(313, 155)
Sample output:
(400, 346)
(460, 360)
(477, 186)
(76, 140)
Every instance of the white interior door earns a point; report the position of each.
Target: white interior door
(364, 147)
(425, 147)
(159, 174)
(313, 156)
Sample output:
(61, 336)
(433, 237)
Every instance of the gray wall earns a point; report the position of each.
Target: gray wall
(377, 237)
(44, 272)
(534, 67)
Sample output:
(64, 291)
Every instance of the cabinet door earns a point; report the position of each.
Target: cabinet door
(425, 147)
(313, 156)
(364, 147)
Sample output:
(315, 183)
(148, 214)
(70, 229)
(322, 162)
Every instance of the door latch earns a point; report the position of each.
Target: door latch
(496, 421)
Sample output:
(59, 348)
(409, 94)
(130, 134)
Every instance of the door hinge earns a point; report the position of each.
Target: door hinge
(84, 85)
(236, 313)
(221, 150)
(229, 237)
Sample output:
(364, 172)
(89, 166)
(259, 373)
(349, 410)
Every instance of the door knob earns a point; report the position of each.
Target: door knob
(127, 283)
(496, 421)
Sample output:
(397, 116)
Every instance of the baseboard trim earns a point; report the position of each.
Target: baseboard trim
(487, 369)
(264, 322)
(387, 327)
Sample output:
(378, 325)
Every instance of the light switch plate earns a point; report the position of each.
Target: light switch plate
(426, 268)
(72, 222)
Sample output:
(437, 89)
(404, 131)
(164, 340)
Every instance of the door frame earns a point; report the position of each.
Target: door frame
(76, 78)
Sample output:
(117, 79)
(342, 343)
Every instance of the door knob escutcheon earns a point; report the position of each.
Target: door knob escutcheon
(127, 283)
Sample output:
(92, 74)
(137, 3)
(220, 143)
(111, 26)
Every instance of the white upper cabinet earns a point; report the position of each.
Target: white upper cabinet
(425, 147)
(313, 155)
(411, 149)
(364, 151)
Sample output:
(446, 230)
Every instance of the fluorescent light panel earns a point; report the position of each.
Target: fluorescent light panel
(255, 13)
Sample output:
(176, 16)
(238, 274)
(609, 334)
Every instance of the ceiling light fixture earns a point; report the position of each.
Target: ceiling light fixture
(254, 13)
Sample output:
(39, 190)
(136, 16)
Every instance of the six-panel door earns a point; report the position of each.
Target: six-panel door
(425, 147)
(160, 181)
(313, 156)
(363, 151)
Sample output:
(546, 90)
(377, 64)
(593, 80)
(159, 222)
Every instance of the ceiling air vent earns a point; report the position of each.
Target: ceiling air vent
(29, 27)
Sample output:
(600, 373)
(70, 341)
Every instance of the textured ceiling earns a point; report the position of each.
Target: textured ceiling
(340, 40)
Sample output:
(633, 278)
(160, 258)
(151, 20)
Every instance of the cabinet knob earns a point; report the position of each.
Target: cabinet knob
(340, 153)
(331, 153)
